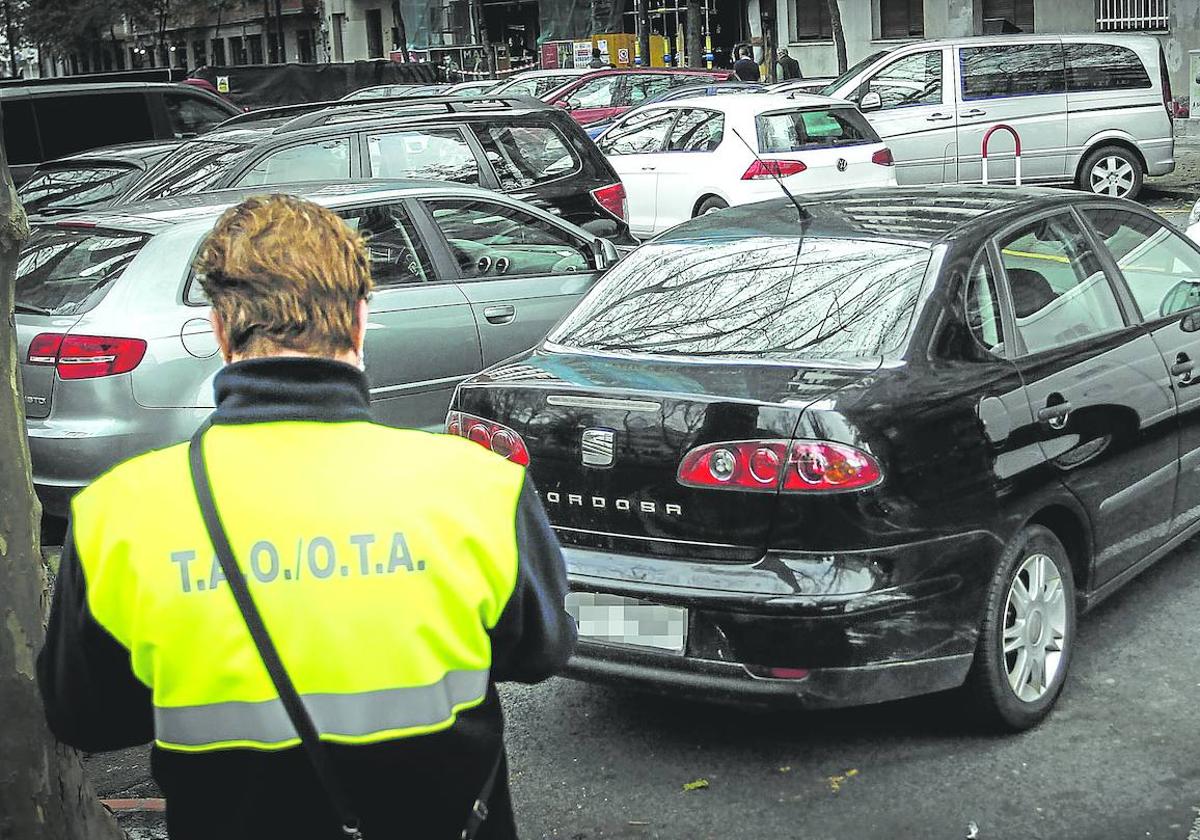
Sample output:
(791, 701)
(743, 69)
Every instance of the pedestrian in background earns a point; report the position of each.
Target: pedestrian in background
(597, 59)
(298, 569)
(746, 68)
(789, 68)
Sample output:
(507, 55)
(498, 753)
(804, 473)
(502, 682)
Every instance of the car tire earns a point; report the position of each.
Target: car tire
(1112, 171)
(711, 205)
(1005, 696)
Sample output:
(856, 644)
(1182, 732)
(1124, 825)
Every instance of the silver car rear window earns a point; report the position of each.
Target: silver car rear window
(67, 271)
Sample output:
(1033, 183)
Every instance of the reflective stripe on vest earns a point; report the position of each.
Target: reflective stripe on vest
(345, 717)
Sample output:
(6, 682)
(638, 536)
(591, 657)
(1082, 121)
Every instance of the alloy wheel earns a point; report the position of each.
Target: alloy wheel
(1112, 175)
(1035, 626)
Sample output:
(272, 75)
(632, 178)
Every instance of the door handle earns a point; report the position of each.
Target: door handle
(974, 112)
(648, 168)
(1183, 369)
(939, 117)
(1056, 412)
(499, 314)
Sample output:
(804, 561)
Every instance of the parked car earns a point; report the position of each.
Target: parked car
(1093, 110)
(515, 145)
(602, 94)
(118, 356)
(475, 88)
(91, 179)
(390, 91)
(537, 83)
(595, 129)
(878, 446)
(814, 85)
(689, 157)
(44, 122)
(1193, 223)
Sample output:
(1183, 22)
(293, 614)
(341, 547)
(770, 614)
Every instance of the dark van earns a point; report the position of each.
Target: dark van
(47, 121)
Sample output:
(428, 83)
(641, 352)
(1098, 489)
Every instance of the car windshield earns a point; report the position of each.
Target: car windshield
(66, 271)
(830, 88)
(775, 298)
(192, 168)
(75, 186)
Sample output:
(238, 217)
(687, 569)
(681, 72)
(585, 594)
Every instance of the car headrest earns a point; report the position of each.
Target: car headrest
(1030, 290)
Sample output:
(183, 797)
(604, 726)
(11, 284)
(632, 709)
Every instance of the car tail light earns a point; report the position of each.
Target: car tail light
(612, 199)
(762, 169)
(86, 356)
(883, 157)
(768, 466)
(489, 434)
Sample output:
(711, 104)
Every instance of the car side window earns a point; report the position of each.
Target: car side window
(595, 93)
(1059, 291)
(1012, 70)
(982, 308)
(191, 115)
(642, 88)
(398, 256)
(912, 80)
(438, 153)
(642, 133)
(81, 121)
(323, 160)
(697, 130)
(1160, 267)
(524, 155)
(490, 240)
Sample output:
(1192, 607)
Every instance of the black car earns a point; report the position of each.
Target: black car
(876, 446)
(45, 121)
(515, 145)
(92, 179)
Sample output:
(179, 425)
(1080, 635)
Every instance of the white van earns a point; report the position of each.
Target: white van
(1089, 109)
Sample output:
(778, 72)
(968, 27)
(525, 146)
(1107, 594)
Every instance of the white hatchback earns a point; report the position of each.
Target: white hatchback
(692, 156)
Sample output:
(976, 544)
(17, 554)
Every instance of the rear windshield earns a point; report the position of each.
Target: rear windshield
(76, 186)
(772, 298)
(819, 128)
(192, 168)
(66, 271)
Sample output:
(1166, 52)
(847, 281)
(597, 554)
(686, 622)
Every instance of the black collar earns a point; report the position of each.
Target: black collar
(291, 388)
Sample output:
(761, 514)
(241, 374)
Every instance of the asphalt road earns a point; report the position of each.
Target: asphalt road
(1119, 759)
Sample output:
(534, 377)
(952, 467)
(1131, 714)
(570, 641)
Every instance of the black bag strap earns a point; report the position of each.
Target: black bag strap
(309, 737)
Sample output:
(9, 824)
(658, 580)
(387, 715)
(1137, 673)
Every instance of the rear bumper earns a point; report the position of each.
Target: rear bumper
(67, 455)
(863, 627)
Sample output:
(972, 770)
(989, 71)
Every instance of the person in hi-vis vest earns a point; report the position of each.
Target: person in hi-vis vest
(400, 575)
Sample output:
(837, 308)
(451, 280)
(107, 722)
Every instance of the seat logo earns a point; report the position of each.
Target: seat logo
(599, 447)
(841, 164)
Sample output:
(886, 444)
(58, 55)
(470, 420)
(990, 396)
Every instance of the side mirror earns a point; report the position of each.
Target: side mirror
(604, 253)
(573, 104)
(1183, 295)
(871, 101)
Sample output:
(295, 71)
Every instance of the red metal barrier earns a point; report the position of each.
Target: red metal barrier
(1016, 141)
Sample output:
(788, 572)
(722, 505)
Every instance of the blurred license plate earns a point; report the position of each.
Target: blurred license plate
(628, 621)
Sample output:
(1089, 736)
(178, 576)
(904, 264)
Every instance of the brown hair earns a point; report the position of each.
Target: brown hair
(282, 272)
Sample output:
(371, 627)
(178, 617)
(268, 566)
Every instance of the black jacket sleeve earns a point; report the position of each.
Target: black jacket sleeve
(92, 699)
(535, 636)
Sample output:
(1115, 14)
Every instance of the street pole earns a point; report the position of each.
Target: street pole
(643, 30)
(279, 31)
(694, 47)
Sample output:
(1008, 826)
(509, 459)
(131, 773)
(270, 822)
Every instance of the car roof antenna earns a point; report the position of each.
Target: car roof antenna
(801, 212)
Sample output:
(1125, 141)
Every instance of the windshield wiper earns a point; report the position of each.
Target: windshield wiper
(30, 309)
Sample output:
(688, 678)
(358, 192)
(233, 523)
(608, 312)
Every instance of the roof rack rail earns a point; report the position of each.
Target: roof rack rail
(276, 111)
(397, 105)
(162, 74)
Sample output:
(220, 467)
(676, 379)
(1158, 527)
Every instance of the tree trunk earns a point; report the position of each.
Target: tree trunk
(401, 30)
(43, 792)
(279, 39)
(10, 35)
(839, 35)
(642, 15)
(694, 45)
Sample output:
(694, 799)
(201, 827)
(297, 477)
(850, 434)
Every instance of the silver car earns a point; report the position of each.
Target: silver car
(118, 356)
(1093, 110)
